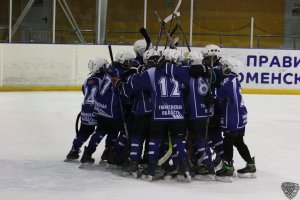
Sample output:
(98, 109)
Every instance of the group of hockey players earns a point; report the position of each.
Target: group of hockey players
(168, 114)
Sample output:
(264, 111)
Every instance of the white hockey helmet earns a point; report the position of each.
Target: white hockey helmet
(211, 50)
(177, 56)
(211, 55)
(167, 53)
(125, 58)
(149, 53)
(230, 65)
(140, 46)
(97, 64)
(195, 58)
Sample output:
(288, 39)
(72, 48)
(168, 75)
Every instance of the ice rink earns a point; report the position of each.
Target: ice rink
(37, 129)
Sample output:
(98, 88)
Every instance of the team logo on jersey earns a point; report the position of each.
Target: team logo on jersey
(290, 189)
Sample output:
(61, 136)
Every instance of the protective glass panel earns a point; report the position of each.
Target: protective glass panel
(84, 13)
(230, 21)
(4, 10)
(4, 19)
(123, 21)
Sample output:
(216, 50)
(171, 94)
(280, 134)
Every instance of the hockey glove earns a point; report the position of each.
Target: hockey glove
(128, 72)
(198, 70)
(119, 84)
(218, 78)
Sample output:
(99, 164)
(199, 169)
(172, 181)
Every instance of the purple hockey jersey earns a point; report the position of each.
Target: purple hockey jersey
(166, 93)
(107, 102)
(198, 88)
(233, 110)
(90, 88)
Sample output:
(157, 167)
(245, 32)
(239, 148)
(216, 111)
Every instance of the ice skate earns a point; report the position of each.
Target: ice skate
(116, 159)
(205, 173)
(72, 156)
(130, 168)
(249, 171)
(170, 171)
(86, 160)
(144, 163)
(152, 172)
(184, 171)
(226, 173)
(217, 162)
(104, 157)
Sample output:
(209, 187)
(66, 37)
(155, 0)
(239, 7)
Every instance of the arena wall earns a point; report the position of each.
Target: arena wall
(33, 67)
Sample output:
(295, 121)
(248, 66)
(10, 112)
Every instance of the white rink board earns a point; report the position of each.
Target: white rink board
(66, 65)
(273, 69)
(39, 64)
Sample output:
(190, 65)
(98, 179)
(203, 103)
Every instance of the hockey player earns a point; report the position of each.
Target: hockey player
(97, 67)
(142, 109)
(197, 112)
(108, 109)
(211, 57)
(233, 122)
(168, 114)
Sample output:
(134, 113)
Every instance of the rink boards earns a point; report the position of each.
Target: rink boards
(46, 67)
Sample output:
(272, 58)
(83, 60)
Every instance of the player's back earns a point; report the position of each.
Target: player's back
(167, 96)
(107, 99)
(89, 89)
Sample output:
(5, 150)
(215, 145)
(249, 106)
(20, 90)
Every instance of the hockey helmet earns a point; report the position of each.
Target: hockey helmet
(97, 64)
(125, 58)
(140, 46)
(230, 65)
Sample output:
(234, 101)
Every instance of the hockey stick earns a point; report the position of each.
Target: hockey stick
(162, 26)
(144, 33)
(174, 43)
(171, 34)
(120, 102)
(158, 38)
(166, 20)
(164, 159)
(77, 122)
(170, 26)
(177, 6)
(208, 109)
(171, 17)
(180, 28)
(174, 29)
(110, 54)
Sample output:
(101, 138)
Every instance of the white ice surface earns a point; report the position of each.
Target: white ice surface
(37, 129)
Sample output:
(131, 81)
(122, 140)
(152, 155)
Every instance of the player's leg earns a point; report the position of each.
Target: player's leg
(250, 170)
(226, 173)
(178, 130)
(216, 139)
(203, 167)
(94, 141)
(155, 139)
(81, 137)
(141, 128)
(118, 153)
